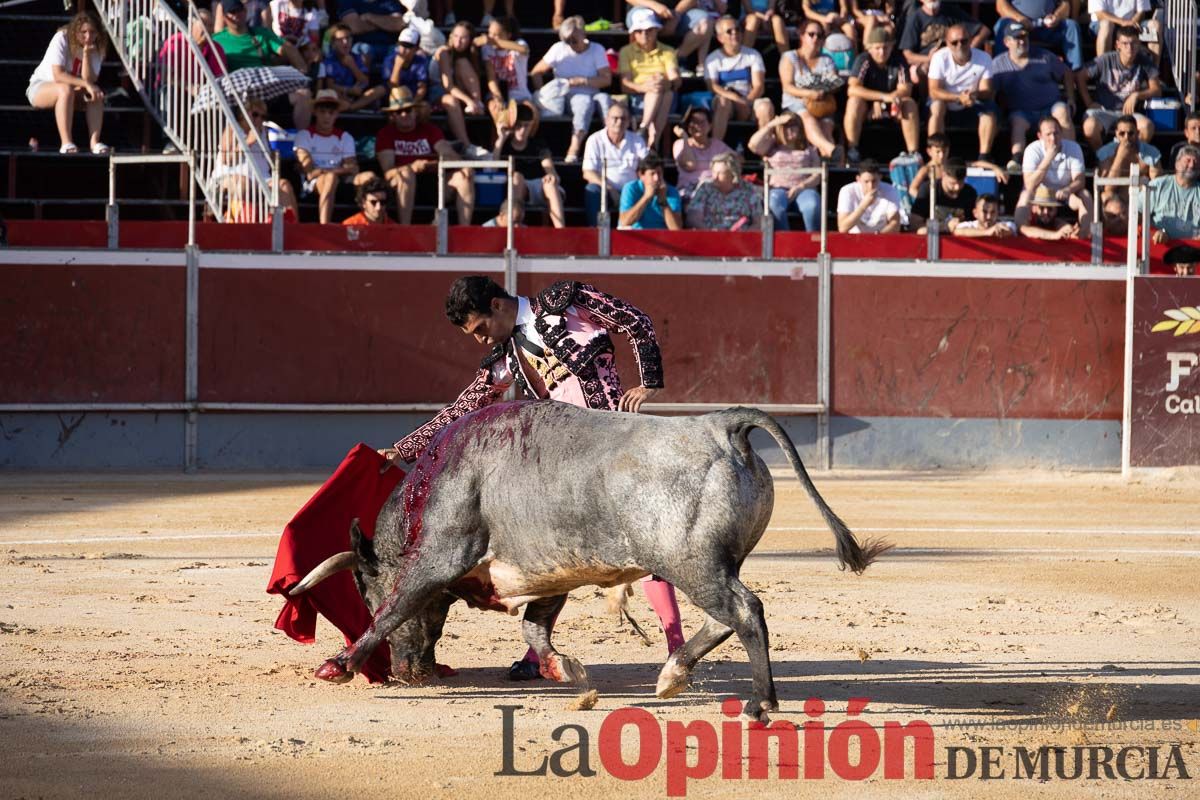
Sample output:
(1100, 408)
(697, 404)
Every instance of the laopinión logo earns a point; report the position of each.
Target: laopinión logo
(697, 749)
(700, 749)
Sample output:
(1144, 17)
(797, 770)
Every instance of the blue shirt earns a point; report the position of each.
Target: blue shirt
(334, 69)
(1147, 152)
(411, 76)
(652, 215)
(1031, 88)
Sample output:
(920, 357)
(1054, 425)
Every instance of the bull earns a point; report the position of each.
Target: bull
(519, 503)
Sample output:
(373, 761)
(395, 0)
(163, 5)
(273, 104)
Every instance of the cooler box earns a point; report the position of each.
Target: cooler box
(983, 181)
(281, 140)
(1164, 112)
(491, 188)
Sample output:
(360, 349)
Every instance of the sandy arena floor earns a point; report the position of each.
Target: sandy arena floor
(139, 658)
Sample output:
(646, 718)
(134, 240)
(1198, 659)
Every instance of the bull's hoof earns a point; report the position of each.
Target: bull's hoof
(673, 679)
(755, 712)
(563, 669)
(334, 671)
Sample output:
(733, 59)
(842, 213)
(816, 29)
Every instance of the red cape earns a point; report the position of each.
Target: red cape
(321, 529)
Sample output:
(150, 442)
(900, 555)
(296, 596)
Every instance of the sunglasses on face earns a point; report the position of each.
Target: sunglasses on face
(372, 201)
(815, 34)
(1126, 134)
(955, 42)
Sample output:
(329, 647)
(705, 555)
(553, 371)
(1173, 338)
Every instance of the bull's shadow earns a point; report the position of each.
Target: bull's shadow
(1001, 692)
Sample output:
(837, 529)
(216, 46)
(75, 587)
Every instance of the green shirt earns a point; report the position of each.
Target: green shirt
(1174, 208)
(253, 49)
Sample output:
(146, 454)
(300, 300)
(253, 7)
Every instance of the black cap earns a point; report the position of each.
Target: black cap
(1182, 254)
(232, 6)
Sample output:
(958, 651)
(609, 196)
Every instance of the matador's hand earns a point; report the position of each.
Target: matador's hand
(632, 400)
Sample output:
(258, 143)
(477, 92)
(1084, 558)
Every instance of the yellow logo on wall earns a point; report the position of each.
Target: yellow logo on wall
(1181, 320)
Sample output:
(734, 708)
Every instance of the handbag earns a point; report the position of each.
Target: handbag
(824, 107)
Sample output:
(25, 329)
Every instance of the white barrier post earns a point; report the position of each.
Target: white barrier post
(768, 220)
(602, 221)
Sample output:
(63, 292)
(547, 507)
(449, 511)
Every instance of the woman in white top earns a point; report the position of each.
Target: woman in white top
(69, 70)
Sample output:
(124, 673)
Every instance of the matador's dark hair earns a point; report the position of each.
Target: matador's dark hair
(473, 293)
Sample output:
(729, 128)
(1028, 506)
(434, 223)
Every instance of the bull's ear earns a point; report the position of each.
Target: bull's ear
(364, 548)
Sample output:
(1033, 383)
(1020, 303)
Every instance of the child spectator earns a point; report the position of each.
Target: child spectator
(736, 76)
(326, 156)
(345, 72)
(695, 148)
(937, 148)
(372, 204)
(783, 145)
(986, 222)
(408, 147)
(649, 202)
(727, 202)
(69, 71)
(501, 218)
(866, 205)
(581, 68)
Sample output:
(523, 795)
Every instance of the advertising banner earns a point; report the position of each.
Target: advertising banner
(1165, 429)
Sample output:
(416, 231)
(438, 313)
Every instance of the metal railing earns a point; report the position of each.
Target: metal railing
(1181, 35)
(187, 100)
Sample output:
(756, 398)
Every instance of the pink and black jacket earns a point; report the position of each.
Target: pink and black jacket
(573, 322)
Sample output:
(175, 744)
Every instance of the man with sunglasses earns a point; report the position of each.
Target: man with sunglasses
(1127, 149)
(372, 204)
(925, 32)
(736, 76)
(1027, 79)
(960, 89)
(408, 148)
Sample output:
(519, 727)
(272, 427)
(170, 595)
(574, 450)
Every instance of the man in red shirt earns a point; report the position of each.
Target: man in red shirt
(409, 146)
(372, 204)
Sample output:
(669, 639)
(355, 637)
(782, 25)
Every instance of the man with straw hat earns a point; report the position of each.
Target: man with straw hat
(409, 146)
(1045, 221)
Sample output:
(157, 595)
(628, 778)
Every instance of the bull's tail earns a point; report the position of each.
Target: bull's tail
(850, 553)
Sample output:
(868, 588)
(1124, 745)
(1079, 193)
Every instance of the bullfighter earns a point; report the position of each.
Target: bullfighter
(555, 345)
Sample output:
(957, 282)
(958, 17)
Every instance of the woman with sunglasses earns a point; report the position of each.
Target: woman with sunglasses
(809, 78)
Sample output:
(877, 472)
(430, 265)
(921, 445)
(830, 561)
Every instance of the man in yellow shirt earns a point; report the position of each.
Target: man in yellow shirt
(649, 73)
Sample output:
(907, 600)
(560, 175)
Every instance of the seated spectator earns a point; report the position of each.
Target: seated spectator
(1044, 218)
(986, 220)
(775, 14)
(506, 66)
(925, 33)
(408, 147)
(809, 79)
(298, 23)
(454, 75)
(175, 56)
(582, 67)
(783, 145)
(867, 205)
(726, 203)
(1108, 15)
(1056, 164)
(650, 203)
(695, 17)
(68, 72)
(501, 218)
(407, 66)
(1116, 216)
(246, 46)
(345, 72)
(695, 148)
(736, 76)
(1027, 79)
(1127, 149)
(953, 202)
(960, 89)
(1125, 79)
(374, 23)
(237, 162)
(1175, 199)
(880, 89)
(326, 156)
(834, 17)
(1184, 258)
(649, 73)
(937, 148)
(1049, 23)
(535, 181)
(871, 14)
(610, 159)
(372, 204)
(1191, 135)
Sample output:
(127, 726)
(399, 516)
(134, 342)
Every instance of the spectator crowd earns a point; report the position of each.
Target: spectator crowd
(661, 126)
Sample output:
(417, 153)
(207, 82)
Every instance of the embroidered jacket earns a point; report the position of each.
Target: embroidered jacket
(572, 321)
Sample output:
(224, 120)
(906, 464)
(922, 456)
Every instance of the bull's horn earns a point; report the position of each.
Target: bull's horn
(346, 560)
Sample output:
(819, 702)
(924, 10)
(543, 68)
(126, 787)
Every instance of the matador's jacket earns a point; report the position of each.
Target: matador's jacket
(560, 350)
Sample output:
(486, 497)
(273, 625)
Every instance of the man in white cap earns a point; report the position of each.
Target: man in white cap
(407, 65)
(649, 73)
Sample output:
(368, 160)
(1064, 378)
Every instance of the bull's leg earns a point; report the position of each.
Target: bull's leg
(731, 604)
(537, 628)
(677, 672)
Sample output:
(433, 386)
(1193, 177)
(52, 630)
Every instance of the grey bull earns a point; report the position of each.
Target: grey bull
(519, 503)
